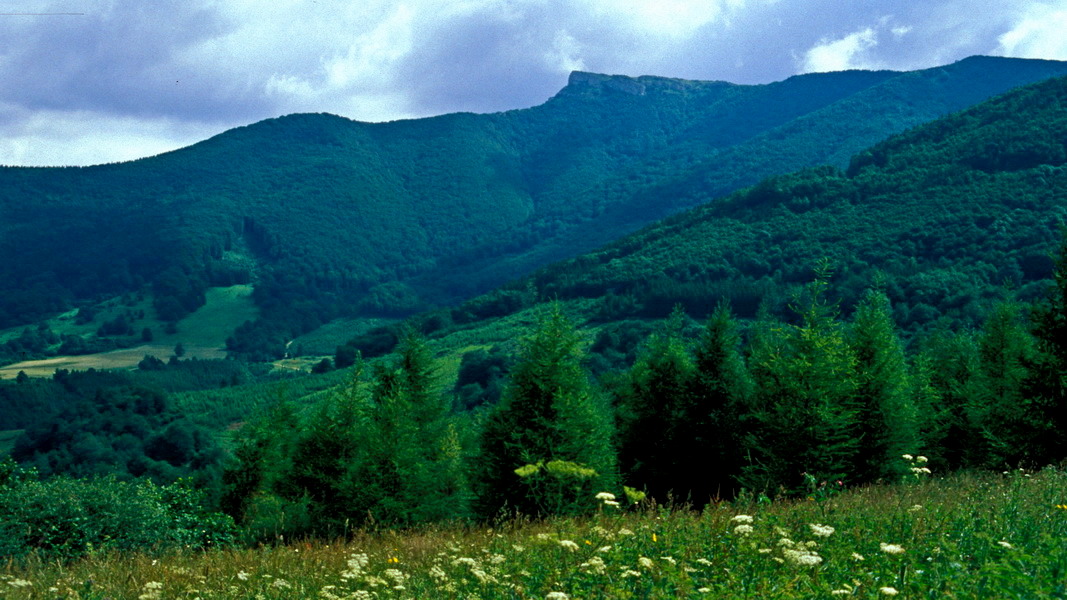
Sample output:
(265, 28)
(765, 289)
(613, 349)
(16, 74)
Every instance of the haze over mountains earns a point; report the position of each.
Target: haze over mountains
(328, 216)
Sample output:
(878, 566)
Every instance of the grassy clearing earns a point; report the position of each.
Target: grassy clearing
(970, 536)
(202, 333)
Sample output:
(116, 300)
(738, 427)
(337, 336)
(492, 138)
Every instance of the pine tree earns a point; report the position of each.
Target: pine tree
(805, 400)
(950, 360)
(410, 469)
(887, 420)
(1006, 417)
(715, 423)
(1046, 384)
(655, 444)
(547, 447)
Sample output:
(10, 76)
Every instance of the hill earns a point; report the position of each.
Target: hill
(947, 218)
(327, 216)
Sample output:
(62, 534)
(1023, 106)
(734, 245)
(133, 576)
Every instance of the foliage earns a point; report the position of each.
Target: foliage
(968, 537)
(549, 414)
(64, 518)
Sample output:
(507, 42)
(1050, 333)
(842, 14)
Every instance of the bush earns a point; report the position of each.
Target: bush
(65, 518)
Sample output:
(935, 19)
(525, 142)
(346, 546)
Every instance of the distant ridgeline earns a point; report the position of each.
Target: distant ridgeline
(947, 219)
(328, 216)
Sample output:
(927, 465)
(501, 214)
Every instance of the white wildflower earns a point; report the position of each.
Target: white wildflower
(603, 549)
(19, 583)
(857, 556)
(821, 530)
(605, 496)
(569, 545)
(907, 457)
(741, 519)
(804, 558)
(669, 559)
(915, 508)
(557, 596)
(891, 548)
(644, 562)
(921, 459)
(888, 591)
(594, 565)
(704, 561)
(1004, 544)
(625, 532)
(743, 529)
(243, 576)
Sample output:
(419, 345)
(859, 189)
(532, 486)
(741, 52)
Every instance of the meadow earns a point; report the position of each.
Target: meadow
(973, 535)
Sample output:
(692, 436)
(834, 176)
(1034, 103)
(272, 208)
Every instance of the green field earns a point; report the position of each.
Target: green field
(203, 334)
(972, 536)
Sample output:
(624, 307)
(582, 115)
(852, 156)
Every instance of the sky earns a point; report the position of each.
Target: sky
(94, 81)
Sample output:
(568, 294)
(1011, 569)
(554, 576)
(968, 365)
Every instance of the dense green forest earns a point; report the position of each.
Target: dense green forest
(330, 217)
(949, 218)
(797, 337)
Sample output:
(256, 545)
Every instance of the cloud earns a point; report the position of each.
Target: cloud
(849, 52)
(1039, 33)
(159, 74)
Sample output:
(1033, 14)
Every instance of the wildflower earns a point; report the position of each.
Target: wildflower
(557, 596)
(605, 496)
(921, 459)
(19, 583)
(669, 559)
(595, 565)
(463, 560)
(821, 530)
(611, 503)
(891, 548)
(743, 529)
(888, 591)
(840, 592)
(644, 562)
(281, 584)
(630, 573)
(654, 538)
(857, 556)
(1061, 506)
(517, 548)
(804, 558)
(569, 545)
(243, 576)
(438, 573)
(1004, 544)
(704, 590)
(625, 532)
(393, 560)
(915, 508)
(907, 457)
(765, 550)
(704, 561)
(604, 549)
(742, 519)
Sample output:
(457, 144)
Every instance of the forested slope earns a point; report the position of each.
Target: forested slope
(947, 218)
(328, 216)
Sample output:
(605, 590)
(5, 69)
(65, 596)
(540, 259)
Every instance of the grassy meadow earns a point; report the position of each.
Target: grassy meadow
(963, 536)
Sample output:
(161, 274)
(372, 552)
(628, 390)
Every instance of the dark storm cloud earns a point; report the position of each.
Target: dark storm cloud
(129, 77)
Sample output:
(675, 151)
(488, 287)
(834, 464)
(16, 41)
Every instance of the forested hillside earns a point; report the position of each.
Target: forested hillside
(947, 218)
(327, 216)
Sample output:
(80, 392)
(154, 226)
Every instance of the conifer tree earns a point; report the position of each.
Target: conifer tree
(805, 399)
(1007, 419)
(720, 390)
(1046, 384)
(547, 447)
(409, 469)
(655, 439)
(887, 420)
(950, 360)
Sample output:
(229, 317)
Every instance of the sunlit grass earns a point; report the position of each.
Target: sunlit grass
(968, 536)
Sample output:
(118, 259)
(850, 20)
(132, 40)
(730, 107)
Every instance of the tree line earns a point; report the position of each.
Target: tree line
(703, 413)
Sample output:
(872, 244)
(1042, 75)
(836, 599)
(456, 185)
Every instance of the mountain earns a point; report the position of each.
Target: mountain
(947, 218)
(328, 216)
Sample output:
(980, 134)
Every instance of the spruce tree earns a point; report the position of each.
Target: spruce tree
(804, 404)
(714, 424)
(656, 445)
(1046, 384)
(950, 360)
(1008, 420)
(887, 420)
(547, 447)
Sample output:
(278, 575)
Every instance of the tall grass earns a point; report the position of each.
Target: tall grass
(964, 536)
